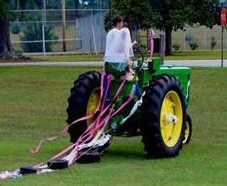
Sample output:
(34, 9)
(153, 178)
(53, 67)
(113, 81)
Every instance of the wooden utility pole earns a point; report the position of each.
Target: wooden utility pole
(63, 26)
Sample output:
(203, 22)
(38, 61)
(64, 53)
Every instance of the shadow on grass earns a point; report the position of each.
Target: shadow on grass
(132, 154)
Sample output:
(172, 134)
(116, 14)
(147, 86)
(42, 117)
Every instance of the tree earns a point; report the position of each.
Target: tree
(6, 48)
(172, 13)
(178, 13)
(133, 12)
(5, 44)
(167, 15)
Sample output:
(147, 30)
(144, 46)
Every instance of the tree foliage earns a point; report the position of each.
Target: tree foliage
(6, 48)
(178, 13)
(4, 9)
(33, 32)
(203, 12)
(133, 12)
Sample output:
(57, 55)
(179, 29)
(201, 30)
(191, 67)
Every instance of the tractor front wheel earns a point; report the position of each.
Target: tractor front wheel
(163, 117)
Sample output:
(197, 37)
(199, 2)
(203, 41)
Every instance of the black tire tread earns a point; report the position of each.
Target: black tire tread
(150, 121)
(77, 101)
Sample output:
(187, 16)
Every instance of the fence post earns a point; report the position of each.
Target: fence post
(94, 41)
(63, 26)
(43, 26)
(43, 38)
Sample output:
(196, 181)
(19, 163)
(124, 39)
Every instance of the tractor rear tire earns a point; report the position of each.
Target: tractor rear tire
(83, 101)
(163, 117)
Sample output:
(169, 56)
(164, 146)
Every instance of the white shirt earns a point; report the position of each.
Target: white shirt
(118, 45)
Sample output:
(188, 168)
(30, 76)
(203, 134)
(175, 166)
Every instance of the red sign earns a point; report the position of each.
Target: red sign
(223, 17)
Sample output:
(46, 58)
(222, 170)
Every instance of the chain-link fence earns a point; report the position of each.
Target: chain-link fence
(82, 31)
(57, 31)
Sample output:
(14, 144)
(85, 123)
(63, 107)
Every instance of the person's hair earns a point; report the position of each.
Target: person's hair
(116, 20)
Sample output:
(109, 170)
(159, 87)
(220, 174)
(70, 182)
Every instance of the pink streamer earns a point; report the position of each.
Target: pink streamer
(90, 132)
(151, 44)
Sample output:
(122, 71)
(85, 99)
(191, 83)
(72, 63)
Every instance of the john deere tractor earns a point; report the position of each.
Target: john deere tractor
(156, 109)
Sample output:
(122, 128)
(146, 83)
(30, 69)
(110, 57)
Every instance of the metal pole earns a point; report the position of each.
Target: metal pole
(222, 45)
(63, 26)
(94, 41)
(162, 48)
(43, 27)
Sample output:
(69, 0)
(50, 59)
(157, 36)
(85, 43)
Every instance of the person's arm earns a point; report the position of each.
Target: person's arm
(128, 52)
(107, 45)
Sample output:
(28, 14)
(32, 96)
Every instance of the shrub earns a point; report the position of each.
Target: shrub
(176, 46)
(213, 42)
(16, 28)
(33, 32)
(193, 45)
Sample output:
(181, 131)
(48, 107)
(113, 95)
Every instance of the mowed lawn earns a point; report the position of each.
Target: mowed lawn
(32, 106)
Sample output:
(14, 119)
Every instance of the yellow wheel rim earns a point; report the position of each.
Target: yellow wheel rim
(186, 132)
(171, 118)
(93, 103)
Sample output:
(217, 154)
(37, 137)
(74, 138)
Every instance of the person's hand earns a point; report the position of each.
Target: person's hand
(130, 67)
(134, 42)
(131, 75)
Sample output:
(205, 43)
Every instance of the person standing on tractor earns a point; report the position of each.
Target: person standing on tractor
(118, 46)
(117, 59)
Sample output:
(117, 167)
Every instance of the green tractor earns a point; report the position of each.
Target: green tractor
(156, 109)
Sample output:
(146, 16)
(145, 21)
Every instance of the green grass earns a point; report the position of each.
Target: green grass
(32, 106)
